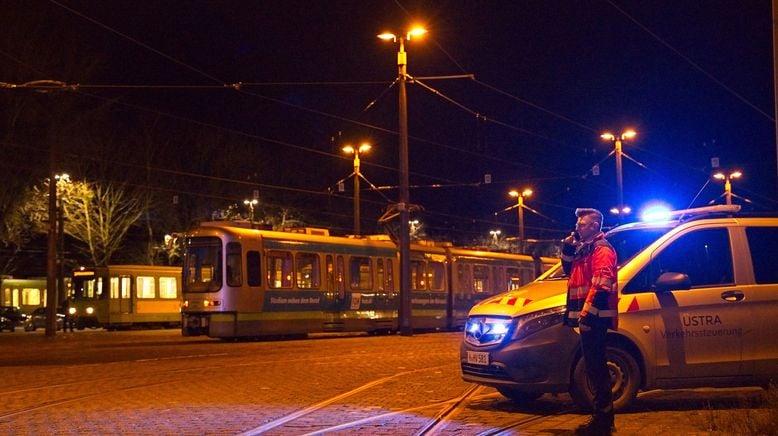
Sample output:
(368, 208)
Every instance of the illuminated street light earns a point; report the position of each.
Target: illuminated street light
(495, 236)
(404, 202)
(520, 206)
(251, 203)
(625, 210)
(727, 183)
(617, 141)
(356, 151)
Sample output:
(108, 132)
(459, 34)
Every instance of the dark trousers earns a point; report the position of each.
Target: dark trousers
(593, 333)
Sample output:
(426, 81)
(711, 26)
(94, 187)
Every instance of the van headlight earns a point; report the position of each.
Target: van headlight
(482, 331)
(536, 321)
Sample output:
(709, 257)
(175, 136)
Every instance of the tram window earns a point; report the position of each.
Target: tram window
(389, 275)
(379, 274)
(90, 288)
(307, 270)
(144, 287)
(253, 268)
(361, 273)
(120, 287)
(340, 273)
(464, 279)
(31, 296)
(168, 287)
(279, 269)
(329, 271)
(513, 278)
(234, 262)
(436, 274)
(98, 288)
(417, 276)
(498, 273)
(480, 278)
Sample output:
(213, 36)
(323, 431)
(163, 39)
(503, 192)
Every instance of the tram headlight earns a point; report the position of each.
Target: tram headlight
(536, 321)
(90, 310)
(71, 310)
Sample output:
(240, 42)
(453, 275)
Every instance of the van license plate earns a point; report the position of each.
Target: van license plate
(478, 357)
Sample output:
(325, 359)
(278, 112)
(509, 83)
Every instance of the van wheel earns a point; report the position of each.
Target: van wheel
(519, 397)
(625, 380)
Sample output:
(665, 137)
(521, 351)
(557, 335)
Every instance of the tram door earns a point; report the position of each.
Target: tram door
(121, 295)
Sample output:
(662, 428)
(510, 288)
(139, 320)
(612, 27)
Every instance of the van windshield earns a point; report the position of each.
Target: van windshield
(627, 242)
(631, 241)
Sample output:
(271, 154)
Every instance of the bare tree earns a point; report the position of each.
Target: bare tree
(100, 216)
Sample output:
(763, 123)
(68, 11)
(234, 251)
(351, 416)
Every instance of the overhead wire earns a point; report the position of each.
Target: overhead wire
(321, 113)
(689, 61)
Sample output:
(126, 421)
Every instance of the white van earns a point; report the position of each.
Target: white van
(698, 307)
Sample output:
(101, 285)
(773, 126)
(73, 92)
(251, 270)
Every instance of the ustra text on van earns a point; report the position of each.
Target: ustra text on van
(698, 307)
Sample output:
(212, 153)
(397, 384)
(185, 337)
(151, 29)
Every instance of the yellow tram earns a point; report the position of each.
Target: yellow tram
(124, 296)
(244, 282)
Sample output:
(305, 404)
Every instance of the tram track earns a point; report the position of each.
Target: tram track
(156, 372)
(439, 421)
(521, 423)
(416, 420)
(95, 388)
(64, 401)
(322, 405)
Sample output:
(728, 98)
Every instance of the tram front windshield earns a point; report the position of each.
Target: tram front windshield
(88, 286)
(202, 264)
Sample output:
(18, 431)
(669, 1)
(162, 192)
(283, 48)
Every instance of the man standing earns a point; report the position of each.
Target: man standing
(592, 299)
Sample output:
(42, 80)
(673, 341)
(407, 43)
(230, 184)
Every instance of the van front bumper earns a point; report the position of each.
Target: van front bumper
(541, 362)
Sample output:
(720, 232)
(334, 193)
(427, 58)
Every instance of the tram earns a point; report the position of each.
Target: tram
(123, 296)
(27, 294)
(244, 282)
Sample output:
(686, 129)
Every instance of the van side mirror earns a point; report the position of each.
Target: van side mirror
(669, 281)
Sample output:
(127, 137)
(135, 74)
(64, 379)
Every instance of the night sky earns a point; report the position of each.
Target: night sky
(693, 78)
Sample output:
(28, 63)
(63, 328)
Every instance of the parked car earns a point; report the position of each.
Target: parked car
(37, 319)
(14, 314)
(6, 324)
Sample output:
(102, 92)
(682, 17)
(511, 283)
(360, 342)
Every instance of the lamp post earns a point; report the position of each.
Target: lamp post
(61, 294)
(51, 260)
(727, 183)
(356, 151)
(251, 203)
(404, 201)
(617, 142)
(520, 206)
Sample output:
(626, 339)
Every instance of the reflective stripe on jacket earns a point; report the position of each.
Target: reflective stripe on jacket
(592, 287)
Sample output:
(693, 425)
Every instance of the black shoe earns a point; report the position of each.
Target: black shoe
(597, 425)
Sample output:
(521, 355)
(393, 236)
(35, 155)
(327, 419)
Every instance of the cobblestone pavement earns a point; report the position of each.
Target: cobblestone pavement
(157, 382)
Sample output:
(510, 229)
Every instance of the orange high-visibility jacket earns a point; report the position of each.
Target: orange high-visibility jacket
(592, 286)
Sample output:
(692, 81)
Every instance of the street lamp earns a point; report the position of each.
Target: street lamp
(251, 203)
(356, 151)
(617, 140)
(727, 182)
(625, 210)
(404, 201)
(495, 236)
(520, 206)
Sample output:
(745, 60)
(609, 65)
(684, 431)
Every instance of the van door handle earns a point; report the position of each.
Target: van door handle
(732, 295)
